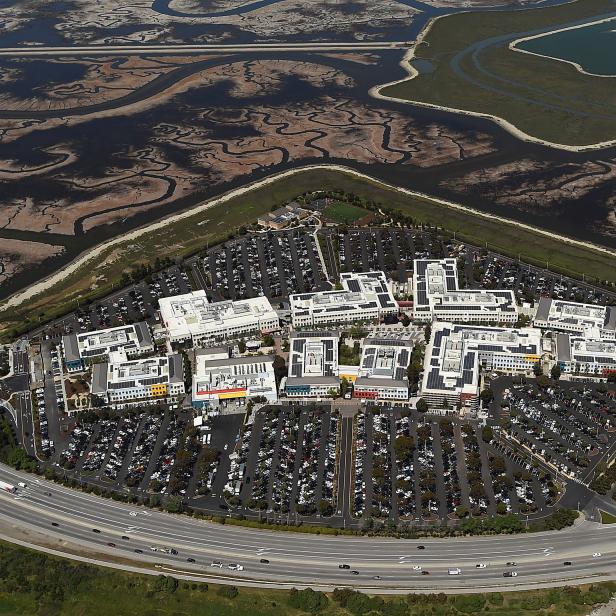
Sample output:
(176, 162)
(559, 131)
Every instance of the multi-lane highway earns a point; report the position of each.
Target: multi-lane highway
(92, 524)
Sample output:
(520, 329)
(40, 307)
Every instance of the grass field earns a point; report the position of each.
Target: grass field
(192, 233)
(544, 98)
(344, 213)
(607, 518)
(34, 584)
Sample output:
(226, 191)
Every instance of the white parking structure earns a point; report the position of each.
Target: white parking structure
(313, 365)
(217, 379)
(80, 350)
(595, 322)
(436, 296)
(364, 296)
(456, 352)
(121, 381)
(192, 317)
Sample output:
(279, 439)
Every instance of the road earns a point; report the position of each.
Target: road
(304, 560)
(122, 50)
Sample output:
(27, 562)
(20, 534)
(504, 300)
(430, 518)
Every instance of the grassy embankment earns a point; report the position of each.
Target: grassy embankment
(32, 583)
(344, 213)
(528, 87)
(191, 234)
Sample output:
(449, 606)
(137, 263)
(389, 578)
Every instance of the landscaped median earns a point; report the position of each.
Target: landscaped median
(97, 272)
(464, 62)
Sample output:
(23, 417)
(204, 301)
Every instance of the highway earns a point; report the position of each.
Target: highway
(122, 50)
(296, 559)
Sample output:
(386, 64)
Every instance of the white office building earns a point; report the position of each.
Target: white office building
(80, 350)
(382, 371)
(456, 354)
(595, 322)
(437, 297)
(313, 365)
(192, 317)
(581, 355)
(364, 297)
(217, 378)
(122, 382)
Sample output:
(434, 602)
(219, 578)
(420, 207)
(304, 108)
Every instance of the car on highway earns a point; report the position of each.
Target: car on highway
(480, 566)
(377, 577)
(344, 566)
(126, 538)
(217, 563)
(138, 551)
(264, 561)
(416, 567)
(454, 571)
(424, 572)
(421, 547)
(21, 484)
(111, 544)
(235, 567)
(567, 563)
(54, 524)
(95, 530)
(596, 555)
(510, 574)
(512, 564)
(354, 572)
(190, 560)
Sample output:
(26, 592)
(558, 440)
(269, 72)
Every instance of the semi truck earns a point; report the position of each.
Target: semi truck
(7, 487)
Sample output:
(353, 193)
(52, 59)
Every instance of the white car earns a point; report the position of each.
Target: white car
(235, 567)
(454, 571)
(416, 567)
(596, 555)
(21, 484)
(133, 514)
(480, 566)
(216, 563)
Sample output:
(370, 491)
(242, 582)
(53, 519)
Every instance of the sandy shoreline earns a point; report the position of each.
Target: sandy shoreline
(40, 287)
(406, 65)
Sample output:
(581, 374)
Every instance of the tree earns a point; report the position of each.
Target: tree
(427, 333)
(486, 396)
(422, 405)
(404, 447)
(241, 345)
(344, 385)
(555, 372)
(537, 369)
(487, 434)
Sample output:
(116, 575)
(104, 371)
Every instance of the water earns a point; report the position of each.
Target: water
(592, 47)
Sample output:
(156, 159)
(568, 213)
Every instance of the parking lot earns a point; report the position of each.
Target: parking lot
(568, 426)
(426, 469)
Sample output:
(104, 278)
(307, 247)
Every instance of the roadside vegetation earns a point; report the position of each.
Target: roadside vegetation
(538, 95)
(138, 258)
(33, 583)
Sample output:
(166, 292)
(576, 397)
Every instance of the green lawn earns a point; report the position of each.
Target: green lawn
(545, 98)
(344, 213)
(607, 518)
(192, 234)
(34, 584)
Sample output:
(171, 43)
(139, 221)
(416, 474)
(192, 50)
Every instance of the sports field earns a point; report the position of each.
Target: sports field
(343, 213)
(468, 65)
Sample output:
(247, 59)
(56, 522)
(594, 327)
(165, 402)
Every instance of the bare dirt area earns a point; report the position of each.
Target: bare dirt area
(15, 255)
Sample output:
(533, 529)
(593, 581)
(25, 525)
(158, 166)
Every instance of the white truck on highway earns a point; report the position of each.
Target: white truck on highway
(8, 487)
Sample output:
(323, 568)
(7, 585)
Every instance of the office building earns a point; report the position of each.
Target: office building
(120, 381)
(437, 297)
(192, 317)
(456, 353)
(595, 322)
(364, 297)
(217, 378)
(80, 350)
(313, 365)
